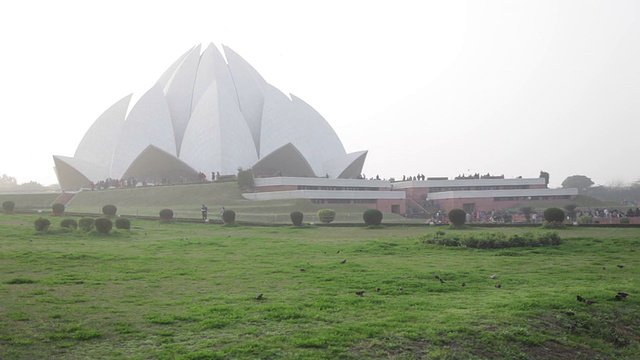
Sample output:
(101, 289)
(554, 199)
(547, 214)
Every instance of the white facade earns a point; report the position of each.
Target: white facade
(206, 115)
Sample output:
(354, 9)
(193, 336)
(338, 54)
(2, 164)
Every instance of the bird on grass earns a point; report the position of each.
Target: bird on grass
(493, 276)
(302, 269)
(360, 293)
(620, 266)
(621, 295)
(569, 313)
(259, 297)
(589, 302)
(377, 289)
(338, 252)
(580, 298)
(498, 286)
(401, 289)
(442, 281)
(343, 261)
(464, 284)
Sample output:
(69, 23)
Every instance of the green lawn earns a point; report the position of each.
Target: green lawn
(188, 291)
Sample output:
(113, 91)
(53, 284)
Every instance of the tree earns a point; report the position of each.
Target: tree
(245, 179)
(7, 181)
(545, 175)
(580, 182)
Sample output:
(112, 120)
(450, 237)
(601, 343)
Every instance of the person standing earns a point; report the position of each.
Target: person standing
(204, 210)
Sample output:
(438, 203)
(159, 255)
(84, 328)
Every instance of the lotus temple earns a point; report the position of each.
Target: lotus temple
(215, 114)
(207, 114)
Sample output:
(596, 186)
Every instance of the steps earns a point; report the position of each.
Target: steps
(65, 198)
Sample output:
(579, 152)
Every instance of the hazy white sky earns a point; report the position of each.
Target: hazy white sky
(434, 87)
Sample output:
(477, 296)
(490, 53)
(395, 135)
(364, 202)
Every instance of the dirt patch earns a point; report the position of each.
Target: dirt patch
(555, 350)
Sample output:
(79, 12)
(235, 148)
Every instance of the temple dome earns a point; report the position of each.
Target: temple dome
(207, 115)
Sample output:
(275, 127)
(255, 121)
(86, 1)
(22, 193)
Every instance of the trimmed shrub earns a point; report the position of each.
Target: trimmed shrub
(86, 223)
(457, 217)
(554, 214)
(372, 217)
(42, 224)
(8, 206)
(123, 223)
(585, 219)
(166, 214)
(103, 225)
(493, 240)
(624, 220)
(296, 218)
(69, 224)
(58, 209)
(109, 210)
(326, 215)
(229, 217)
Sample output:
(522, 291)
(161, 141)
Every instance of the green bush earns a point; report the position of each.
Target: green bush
(123, 223)
(585, 219)
(624, 220)
(8, 206)
(554, 214)
(86, 223)
(245, 179)
(166, 214)
(372, 217)
(69, 224)
(229, 217)
(42, 224)
(296, 218)
(103, 225)
(493, 240)
(57, 208)
(109, 210)
(326, 215)
(457, 217)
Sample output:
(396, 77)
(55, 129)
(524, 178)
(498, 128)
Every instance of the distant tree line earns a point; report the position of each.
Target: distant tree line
(10, 183)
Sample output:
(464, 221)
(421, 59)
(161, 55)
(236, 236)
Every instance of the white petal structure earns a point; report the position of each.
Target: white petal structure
(207, 115)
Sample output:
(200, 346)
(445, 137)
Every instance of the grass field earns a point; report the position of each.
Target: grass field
(188, 291)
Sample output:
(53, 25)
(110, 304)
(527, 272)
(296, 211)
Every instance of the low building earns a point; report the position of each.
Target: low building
(474, 195)
(414, 197)
(375, 194)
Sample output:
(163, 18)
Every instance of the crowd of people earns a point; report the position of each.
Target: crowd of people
(610, 213)
(111, 183)
(115, 183)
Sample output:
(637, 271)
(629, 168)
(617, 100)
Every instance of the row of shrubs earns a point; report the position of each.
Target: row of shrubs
(372, 217)
(493, 240)
(57, 209)
(101, 224)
